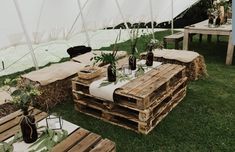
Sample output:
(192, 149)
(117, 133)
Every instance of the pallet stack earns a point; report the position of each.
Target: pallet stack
(140, 104)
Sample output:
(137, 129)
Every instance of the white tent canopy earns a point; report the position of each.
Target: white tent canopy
(49, 20)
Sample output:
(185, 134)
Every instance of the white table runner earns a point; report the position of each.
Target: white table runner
(106, 92)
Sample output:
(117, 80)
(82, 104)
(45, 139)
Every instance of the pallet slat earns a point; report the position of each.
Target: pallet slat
(70, 141)
(87, 143)
(104, 146)
(12, 131)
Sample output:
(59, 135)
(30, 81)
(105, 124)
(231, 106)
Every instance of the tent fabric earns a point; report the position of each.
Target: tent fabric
(48, 20)
(54, 72)
(105, 13)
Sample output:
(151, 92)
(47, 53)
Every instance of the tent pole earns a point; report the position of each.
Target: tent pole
(124, 21)
(172, 17)
(152, 22)
(83, 23)
(26, 34)
(75, 21)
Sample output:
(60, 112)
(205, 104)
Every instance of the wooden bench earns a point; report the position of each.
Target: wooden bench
(174, 38)
(80, 140)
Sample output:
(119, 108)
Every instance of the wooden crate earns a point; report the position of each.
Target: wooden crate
(143, 91)
(140, 104)
(129, 119)
(123, 110)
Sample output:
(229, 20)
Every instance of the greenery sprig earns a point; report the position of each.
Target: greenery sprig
(47, 140)
(22, 94)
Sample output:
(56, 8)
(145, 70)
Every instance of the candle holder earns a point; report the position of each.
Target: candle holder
(54, 122)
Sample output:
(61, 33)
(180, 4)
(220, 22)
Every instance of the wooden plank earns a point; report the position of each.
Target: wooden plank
(177, 35)
(156, 84)
(12, 116)
(86, 144)
(142, 79)
(142, 86)
(104, 146)
(71, 140)
(11, 132)
(15, 120)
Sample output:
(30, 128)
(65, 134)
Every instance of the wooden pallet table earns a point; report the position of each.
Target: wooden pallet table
(81, 140)
(140, 104)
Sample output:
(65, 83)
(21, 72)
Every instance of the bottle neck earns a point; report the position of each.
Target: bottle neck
(150, 48)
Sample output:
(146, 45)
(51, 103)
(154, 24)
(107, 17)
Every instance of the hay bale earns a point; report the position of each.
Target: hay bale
(53, 93)
(54, 83)
(195, 64)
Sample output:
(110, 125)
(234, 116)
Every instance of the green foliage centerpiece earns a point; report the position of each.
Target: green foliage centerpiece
(111, 59)
(132, 57)
(23, 95)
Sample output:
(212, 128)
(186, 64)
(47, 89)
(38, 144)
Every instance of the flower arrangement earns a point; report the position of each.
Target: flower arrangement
(219, 10)
(149, 41)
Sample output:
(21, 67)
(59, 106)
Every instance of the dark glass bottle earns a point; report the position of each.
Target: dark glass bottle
(149, 57)
(132, 62)
(217, 21)
(28, 128)
(111, 72)
(225, 19)
(211, 20)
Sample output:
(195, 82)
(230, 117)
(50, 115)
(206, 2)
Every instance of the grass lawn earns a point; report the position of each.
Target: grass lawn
(203, 121)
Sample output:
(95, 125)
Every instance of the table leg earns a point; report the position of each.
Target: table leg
(164, 43)
(200, 38)
(229, 58)
(209, 38)
(185, 41)
(177, 45)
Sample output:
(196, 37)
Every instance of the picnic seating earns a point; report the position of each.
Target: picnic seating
(174, 38)
(194, 62)
(55, 81)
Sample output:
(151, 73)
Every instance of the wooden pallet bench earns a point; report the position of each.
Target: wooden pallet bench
(81, 140)
(139, 104)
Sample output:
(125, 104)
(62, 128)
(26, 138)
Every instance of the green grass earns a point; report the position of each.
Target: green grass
(203, 121)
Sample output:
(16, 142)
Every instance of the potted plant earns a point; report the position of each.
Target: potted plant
(132, 57)
(108, 58)
(23, 95)
(150, 44)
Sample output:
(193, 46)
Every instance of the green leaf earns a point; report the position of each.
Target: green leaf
(104, 83)
(41, 138)
(43, 144)
(5, 147)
